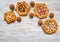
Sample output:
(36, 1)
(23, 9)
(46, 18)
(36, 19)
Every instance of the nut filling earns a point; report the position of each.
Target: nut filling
(22, 8)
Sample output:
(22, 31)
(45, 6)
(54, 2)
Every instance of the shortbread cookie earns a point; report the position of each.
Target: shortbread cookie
(22, 8)
(41, 10)
(50, 26)
(9, 17)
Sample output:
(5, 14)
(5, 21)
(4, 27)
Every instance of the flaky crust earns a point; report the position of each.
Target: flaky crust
(38, 14)
(9, 17)
(53, 29)
(26, 11)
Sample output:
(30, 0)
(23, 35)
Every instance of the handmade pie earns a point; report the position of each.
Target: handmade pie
(50, 26)
(22, 8)
(41, 10)
(9, 16)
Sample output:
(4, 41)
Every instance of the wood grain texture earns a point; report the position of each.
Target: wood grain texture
(28, 30)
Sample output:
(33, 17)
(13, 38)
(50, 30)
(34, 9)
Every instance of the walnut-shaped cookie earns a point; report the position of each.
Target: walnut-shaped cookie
(51, 15)
(50, 26)
(31, 15)
(41, 10)
(32, 3)
(22, 8)
(11, 6)
(9, 17)
(40, 22)
(18, 19)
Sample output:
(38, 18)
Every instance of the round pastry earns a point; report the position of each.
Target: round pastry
(50, 26)
(41, 10)
(18, 19)
(31, 15)
(51, 15)
(9, 17)
(32, 3)
(40, 22)
(22, 8)
(11, 7)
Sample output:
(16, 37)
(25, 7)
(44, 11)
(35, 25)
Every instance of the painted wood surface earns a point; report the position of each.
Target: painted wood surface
(28, 30)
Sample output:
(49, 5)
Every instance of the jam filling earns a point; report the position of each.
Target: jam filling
(22, 8)
(41, 10)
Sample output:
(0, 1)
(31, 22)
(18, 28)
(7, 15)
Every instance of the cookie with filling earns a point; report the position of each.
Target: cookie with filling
(41, 10)
(50, 26)
(22, 8)
(9, 17)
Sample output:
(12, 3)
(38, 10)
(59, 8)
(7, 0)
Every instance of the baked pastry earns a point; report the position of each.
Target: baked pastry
(18, 19)
(31, 15)
(41, 10)
(40, 22)
(22, 8)
(11, 6)
(50, 26)
(9, 17)
(32, 3)
(51, 15)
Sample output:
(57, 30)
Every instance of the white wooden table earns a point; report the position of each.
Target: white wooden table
(28, 30)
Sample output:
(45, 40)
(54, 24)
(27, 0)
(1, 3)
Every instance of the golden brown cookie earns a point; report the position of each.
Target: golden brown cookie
(40, 22)
(11, 6)
(22, 8)
(32, 3)
(51, 15)
(31, 15)
(18, 19)
(41, 10)
(50, 26)
(9, 17)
